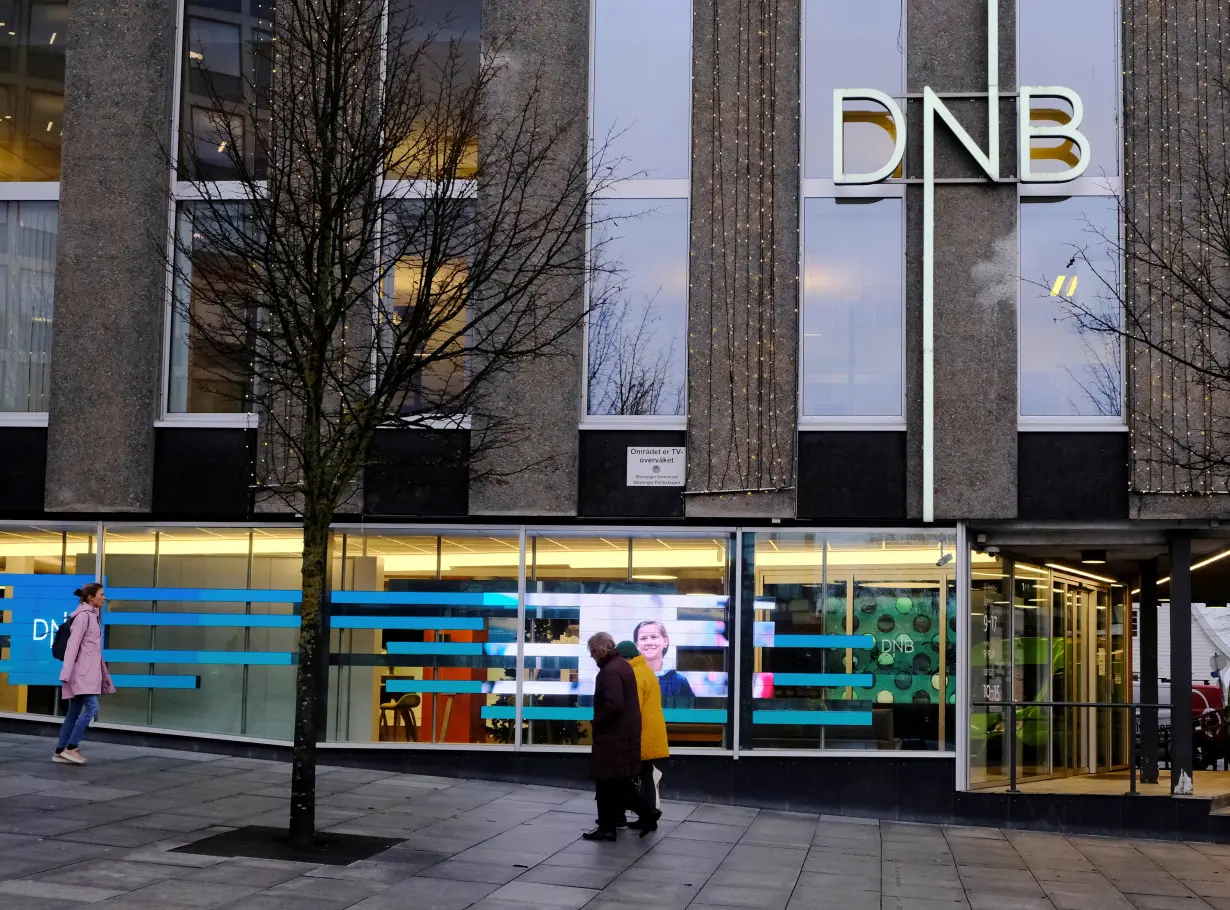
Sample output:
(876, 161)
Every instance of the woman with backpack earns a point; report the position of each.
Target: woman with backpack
(84, 675)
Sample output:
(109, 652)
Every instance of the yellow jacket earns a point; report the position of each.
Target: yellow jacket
(653, 723)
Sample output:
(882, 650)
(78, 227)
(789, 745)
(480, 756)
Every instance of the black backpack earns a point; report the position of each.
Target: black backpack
(59, 644)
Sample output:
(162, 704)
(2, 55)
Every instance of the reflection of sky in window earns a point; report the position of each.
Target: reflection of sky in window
(1074, 43)
(647, 241)
(849, 44)
(852, 308)
(1067, 371)
(643, 85)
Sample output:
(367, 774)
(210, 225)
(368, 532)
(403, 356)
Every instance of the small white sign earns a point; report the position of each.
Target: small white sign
(657, 466)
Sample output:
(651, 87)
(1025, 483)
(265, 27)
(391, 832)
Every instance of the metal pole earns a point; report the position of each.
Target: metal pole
(1148, 671)
(1132, 751)
(1012, 747)
(1181, 663)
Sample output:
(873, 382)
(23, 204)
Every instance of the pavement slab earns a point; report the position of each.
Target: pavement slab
(103, 835)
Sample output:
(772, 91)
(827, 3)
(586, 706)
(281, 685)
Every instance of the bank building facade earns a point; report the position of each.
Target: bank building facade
(935, 419)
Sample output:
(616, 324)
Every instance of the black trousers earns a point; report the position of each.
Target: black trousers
(648, 788)
(614, 796)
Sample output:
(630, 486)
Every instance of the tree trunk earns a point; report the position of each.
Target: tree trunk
(307, 680)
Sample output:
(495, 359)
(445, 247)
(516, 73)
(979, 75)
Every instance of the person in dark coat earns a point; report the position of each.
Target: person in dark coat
(616, 755)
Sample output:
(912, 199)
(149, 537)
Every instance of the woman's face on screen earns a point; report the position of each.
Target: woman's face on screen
(651, 643)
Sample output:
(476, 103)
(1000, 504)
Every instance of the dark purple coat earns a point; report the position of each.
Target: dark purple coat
(617, 722)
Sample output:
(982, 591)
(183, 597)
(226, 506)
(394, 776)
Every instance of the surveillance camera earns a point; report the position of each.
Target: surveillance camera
(944, 560)
(992, 551)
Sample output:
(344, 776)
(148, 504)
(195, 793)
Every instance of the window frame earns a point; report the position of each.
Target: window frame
(826, 188)
(223, 191)
(648, 189)
(33, 191)
(1098, 186)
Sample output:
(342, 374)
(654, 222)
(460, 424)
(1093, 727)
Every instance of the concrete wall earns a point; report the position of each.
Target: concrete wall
(110, 280)
(975, 270)
(529, 466)
(1175, 74)
(743, 303)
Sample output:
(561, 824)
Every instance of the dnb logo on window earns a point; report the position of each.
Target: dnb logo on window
(35, 606)
(1050, 123)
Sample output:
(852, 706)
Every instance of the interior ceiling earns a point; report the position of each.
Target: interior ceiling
(1210, 584)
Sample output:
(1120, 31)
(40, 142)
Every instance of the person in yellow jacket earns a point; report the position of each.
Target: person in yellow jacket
(654, 747)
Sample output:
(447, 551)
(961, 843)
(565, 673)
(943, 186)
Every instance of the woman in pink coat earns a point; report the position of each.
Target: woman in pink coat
(85, 675)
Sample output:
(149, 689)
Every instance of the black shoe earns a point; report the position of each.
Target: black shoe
(646, 825)
(622, 823)
(605, 834)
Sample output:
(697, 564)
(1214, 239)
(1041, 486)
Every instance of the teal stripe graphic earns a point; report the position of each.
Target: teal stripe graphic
(813, 718)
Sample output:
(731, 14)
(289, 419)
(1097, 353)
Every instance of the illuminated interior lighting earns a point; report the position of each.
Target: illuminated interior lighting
(1060, 568)
(195, 55)
(53, 38)
(1093, 557)
(222, 146)
(49, 125)
(1199, 565)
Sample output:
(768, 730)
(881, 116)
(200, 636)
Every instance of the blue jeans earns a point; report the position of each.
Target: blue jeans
(81, 710)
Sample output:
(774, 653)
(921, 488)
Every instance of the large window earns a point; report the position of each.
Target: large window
(210, 362)
(423, 637)
(854, 640)
(226, 75)
(28, 235)
(668, 595)
(853, 286)
(202, 628)
(1070, 348)
(34, 38)
(1070, 323)
(40, 567)
(641, 116)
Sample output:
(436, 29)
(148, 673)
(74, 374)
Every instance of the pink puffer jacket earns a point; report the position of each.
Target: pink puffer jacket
(85, 672)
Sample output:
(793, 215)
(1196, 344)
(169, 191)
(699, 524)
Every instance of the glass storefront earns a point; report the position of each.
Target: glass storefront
(1045, 636)
(833, 641)
(853, 642)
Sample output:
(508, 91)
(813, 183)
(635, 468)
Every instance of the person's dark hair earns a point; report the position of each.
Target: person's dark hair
(636, 633)
(85, 592)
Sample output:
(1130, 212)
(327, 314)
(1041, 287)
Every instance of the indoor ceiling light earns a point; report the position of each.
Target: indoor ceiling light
(1059, 568)
(1093, 557)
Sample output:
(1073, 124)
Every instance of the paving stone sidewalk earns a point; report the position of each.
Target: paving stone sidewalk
(101, 834)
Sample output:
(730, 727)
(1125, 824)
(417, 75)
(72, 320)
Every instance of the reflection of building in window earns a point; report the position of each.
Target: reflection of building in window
(210, 359)
(28, 235)
(639, 309)
(33, 40)
(642, 102)
(853, 276)
(227, 73)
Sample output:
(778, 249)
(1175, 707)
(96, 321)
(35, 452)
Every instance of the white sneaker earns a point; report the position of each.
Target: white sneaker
(73, 757)
(59, 759)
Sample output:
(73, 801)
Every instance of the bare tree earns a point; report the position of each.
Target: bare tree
(630, 365)
(335, 306)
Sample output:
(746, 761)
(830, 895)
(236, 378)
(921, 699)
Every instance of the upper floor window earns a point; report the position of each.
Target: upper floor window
(1075, 45)
(34, 38)
(1069, 305)
(28, 235)
(33, 41)
(852, 357)
(850, 44)
(641, 130)
(226, 78)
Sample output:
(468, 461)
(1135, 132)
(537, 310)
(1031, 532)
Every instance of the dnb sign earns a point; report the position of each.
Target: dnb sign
(988, 161)
(38, 605)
